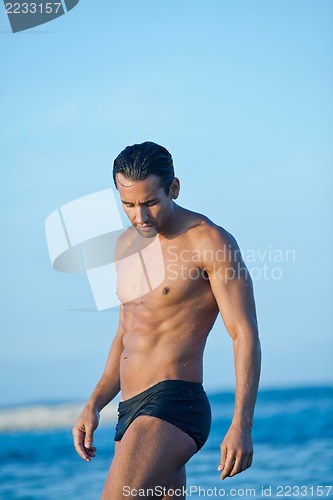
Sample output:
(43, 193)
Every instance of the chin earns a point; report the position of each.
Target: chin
(150, 232)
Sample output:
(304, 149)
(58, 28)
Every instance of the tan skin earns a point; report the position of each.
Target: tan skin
(194, 272)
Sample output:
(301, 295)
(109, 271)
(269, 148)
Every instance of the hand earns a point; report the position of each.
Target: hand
(83, 432)
(236, 451)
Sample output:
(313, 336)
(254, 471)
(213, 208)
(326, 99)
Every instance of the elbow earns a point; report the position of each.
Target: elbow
(246, 333)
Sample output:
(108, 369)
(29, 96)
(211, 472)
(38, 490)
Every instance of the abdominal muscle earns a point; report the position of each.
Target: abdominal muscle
(167, 345)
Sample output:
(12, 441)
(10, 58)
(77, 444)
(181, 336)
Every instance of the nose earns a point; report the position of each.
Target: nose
(141, 214)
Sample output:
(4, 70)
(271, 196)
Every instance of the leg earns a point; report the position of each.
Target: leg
(150, 456)
(179, 483)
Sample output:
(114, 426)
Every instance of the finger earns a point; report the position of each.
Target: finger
(78, 444)
(90, 452)
(237, 467)
(88, 441)
(241, 464)
(229, 464)
(223, 458)
(248, 463)
(81, 451)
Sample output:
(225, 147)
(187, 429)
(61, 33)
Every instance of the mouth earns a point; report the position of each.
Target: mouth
(145, 227)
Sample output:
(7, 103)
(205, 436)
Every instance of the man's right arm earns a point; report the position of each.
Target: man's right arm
(106, 390)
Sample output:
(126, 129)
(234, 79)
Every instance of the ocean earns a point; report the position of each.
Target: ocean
(293, 436)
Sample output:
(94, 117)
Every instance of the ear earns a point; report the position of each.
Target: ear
(174, 189)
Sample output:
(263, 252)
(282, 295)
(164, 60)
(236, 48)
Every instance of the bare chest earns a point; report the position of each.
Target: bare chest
(167, 273)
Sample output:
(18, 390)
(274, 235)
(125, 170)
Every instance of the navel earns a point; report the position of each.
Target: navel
(166, 290)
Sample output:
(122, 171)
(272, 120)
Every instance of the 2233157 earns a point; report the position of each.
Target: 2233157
(33, 8)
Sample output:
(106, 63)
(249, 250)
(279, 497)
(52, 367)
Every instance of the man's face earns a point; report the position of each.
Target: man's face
(145, 203)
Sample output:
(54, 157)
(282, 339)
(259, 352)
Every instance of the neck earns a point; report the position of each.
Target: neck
(172, 224)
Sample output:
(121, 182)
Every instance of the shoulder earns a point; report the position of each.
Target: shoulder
(215, 243)
(207, 233)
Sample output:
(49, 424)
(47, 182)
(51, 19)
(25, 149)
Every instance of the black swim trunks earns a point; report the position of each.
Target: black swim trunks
(183, 404)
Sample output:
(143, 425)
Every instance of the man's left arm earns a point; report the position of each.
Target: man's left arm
(232, 287)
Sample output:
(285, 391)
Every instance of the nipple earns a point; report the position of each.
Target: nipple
(166, 290)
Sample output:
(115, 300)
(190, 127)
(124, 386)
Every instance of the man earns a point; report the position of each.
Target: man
(176, 271)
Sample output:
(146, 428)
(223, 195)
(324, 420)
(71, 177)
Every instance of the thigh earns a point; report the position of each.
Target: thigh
(150, 455)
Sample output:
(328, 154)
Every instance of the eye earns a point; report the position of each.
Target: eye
(151, 203)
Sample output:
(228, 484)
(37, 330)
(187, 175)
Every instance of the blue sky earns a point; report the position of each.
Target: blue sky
(241, 94)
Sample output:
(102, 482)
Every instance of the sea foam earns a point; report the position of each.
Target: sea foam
(46, 416)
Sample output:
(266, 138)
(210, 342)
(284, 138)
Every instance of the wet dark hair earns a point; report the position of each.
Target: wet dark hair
(139, 161)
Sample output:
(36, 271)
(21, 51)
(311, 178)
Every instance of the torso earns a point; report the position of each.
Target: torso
(169, 308)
